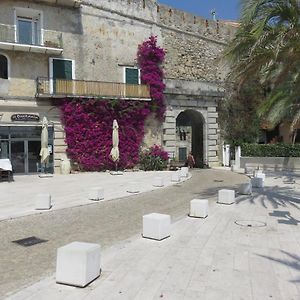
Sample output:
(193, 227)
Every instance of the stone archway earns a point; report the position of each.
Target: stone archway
(190, 136)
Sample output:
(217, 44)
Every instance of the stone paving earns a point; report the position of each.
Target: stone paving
(18, 197)
(212, 258)
(105, 222)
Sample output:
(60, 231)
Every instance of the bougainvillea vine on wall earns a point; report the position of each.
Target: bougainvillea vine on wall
(88, 127)
(150, 57)
(88, 122)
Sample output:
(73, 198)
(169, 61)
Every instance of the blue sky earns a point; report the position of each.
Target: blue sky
(226, 9)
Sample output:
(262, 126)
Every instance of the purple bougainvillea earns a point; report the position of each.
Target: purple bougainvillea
(150, 57)
(88, 122)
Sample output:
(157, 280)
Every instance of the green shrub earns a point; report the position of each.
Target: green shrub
(154, 158)
(270, 150)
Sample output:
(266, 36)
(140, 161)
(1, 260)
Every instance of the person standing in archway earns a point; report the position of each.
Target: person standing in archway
(190, 160)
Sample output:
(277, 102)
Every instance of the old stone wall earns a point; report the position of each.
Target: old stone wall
(194, 45)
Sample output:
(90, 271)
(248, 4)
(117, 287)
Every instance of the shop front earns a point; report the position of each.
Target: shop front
(21, 144)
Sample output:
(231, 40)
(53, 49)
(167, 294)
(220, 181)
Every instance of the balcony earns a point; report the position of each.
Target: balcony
(61, 88)
(52, 41)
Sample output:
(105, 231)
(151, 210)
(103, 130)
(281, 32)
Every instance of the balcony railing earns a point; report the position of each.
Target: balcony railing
(58, 88)
(52, 40)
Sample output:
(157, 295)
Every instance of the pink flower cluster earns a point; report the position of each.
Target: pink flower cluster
(88, 127)
(157, 151)
(150, 57)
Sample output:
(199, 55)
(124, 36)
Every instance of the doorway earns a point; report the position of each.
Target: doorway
(189, 136)
(22, 144)
(25, 156)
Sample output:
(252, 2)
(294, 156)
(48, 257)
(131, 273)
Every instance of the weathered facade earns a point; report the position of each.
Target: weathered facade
(94, 44)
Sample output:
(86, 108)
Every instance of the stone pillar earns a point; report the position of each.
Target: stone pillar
(169, 133)
(212, 136)
(238, 157)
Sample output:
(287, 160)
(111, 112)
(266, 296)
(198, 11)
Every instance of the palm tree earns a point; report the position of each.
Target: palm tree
(267, 47)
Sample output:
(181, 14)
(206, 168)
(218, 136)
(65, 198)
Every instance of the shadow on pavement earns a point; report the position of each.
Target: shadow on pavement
(292, 261)
(276, 196)
(285, 216)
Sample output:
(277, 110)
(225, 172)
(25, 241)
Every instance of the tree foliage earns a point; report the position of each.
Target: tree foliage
(267, 47)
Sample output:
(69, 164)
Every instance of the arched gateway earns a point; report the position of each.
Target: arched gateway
(190, 136)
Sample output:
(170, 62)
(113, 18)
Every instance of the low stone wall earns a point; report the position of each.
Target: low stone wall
(272, 163)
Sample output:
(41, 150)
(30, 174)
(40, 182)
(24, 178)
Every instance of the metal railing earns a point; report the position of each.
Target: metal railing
(51, 38)
(81, 88)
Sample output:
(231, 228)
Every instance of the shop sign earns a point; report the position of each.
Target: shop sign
(25, 117)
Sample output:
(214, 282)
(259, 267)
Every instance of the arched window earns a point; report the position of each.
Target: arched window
(3, 67)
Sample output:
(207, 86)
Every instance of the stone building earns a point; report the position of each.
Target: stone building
(52, 49)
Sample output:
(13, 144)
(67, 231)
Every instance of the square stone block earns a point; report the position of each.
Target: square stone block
(226, 196)
(175, 177)
(43, 201)
(257, 182)
(245, 189)
(184, 172)
(78, 263)
(158, 182)
(96, 194)
(261, 175)
(156, 226)
(133, 187)
(199, 208)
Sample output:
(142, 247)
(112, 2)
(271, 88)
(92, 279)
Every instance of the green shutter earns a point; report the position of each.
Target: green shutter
(62, 69)
(132, 76)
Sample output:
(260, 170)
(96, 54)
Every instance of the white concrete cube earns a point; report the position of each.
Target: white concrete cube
(226, 196)
(43, 201)
(184, 172)
(261, 175)
(133, 187)
(245, 189)
(158, 182)
(257, 182)
(199, 208)
(96, 194)
(78, 263)
(156, 226)
(175, 177)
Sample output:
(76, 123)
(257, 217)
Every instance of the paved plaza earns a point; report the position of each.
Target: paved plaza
(212, 258)
(18, 197)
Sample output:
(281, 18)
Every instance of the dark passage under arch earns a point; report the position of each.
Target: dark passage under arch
(189, 127)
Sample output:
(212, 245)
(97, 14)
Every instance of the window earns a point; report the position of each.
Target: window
(132, 75)
(28, 25)
(3, 67)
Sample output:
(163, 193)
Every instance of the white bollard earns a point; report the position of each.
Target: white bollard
(226, 196)
(199, 208)
(133, 187)
(43, 201)
(257, 182)
(78, 263)
(245, 189)
(158, 182)
(156, 226)
(175, 177)
(184, 172)
(96, 194)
